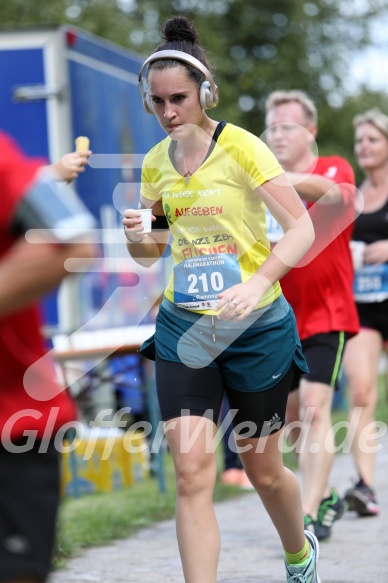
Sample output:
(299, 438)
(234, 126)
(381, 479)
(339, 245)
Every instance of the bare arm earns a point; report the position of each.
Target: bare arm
(145, 249)
(30, 270)
(376, 252)
(285, 205)
(290, 213)
(70, 165)
(316, 188)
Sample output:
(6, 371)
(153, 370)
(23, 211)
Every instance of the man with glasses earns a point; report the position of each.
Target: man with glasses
(320, 290)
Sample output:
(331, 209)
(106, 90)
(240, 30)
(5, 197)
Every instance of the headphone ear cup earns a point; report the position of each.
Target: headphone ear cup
(148, 105)
(147, 102)
(206, 95)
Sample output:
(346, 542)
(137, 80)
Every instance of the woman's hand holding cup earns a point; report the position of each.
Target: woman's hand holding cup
(137, 223)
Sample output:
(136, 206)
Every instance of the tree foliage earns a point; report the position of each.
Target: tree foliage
(256, 47)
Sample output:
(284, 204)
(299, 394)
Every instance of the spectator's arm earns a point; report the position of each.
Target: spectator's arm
(313, 188)
(70, 165)
(30, 270)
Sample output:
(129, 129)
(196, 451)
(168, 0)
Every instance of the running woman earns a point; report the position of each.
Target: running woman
(224, 325)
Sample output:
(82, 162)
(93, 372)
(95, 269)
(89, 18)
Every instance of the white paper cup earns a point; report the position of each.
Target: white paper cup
(357, 250)
(146, 215)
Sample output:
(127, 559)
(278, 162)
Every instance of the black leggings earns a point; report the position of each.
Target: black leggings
(188, 391)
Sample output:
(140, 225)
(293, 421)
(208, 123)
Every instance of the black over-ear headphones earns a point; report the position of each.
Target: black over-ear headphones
(208, 93)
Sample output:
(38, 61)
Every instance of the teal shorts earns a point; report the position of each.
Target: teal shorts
(253, 355)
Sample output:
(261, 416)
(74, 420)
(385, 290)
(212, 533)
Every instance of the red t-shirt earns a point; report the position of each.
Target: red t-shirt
(24, 407)
(320, 286)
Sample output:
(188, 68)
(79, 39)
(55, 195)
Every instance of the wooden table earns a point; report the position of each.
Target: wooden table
(100, 344)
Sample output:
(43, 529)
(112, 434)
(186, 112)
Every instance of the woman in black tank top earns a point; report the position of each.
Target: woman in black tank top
(363, 352)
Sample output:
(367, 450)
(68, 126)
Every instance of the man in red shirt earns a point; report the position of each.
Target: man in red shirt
(320, 290)
(32, 411)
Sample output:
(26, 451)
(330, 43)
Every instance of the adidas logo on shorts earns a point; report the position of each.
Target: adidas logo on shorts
(274, 419)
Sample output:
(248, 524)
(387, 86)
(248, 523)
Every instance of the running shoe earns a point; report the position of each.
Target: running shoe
(362, 499)
(330, 510)
(308, 574)
(309, 523)
(231, 477)
(236, 477)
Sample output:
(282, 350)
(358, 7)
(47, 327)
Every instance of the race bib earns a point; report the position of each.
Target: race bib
(199, 280)
(371, 283)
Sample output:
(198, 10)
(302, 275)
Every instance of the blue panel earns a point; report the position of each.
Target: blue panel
(49, 308)
(104, 51)
(27, 122)
(108, 110)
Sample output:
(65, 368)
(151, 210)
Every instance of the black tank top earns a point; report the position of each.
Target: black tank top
(371, 227)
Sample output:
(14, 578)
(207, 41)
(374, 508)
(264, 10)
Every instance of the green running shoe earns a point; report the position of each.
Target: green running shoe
(309, 523)
(330, 510)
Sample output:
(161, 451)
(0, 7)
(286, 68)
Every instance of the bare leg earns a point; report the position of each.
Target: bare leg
(277, 487)
(316, 453)
(292, 420)
(361, 360)
(195, 472)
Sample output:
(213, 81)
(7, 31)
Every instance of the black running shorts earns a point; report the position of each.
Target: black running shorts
(323, 353)
(188, 391)
(375, 317)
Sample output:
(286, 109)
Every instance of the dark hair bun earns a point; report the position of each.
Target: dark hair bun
(179, 28)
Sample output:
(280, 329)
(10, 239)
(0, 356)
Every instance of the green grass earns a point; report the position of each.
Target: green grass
(382, 408)
(98, 519)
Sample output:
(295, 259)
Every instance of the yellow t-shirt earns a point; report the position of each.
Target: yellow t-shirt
(217, 221)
